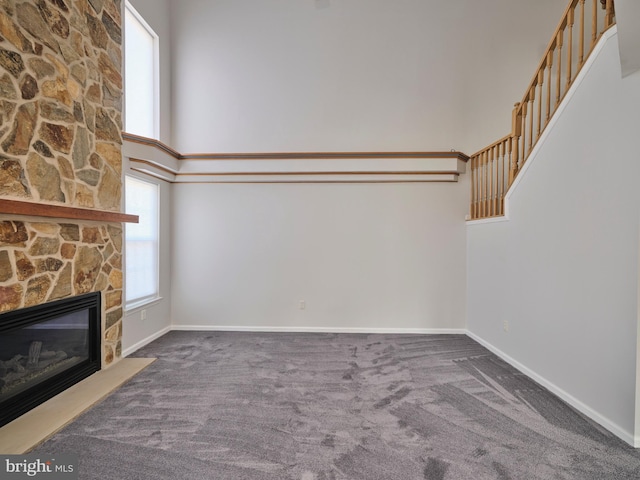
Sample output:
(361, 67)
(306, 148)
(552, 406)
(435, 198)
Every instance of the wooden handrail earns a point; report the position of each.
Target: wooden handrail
(555, 74)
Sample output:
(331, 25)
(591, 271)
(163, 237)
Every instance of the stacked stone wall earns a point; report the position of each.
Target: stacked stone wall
(60, 143)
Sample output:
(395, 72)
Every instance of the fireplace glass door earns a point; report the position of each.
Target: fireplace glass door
(45, 349)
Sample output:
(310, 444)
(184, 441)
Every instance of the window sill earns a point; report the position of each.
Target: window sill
(137, 306)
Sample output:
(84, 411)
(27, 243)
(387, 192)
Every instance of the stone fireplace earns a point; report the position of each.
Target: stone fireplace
(43, 262)
(60, 147)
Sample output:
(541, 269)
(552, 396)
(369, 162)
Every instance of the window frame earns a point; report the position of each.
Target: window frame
(128, 7)
(140, 302)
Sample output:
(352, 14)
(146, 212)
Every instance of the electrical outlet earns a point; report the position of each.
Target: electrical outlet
(143, 314)
(303, 304)
(505, 325)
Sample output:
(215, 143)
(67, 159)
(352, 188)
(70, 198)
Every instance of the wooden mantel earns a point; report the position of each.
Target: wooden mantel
(30, 209)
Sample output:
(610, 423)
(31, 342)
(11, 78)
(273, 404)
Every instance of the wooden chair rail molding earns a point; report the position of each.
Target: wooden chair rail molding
(152, 143)
(152, 157)
(30, 209)
(287, 155)
(494, 168)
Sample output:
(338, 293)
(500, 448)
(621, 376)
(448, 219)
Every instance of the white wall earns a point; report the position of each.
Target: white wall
(362, 256)
(504, 41)
(156, 14)
(137, 331)
(628, 22)
(564, 269)
(360, 75)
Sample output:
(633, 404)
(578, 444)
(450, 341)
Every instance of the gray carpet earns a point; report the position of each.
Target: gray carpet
(336, 406)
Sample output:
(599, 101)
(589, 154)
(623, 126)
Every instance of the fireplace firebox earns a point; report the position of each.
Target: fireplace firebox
(46, 349)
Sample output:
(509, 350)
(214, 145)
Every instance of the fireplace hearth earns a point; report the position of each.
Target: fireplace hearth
(46, 349)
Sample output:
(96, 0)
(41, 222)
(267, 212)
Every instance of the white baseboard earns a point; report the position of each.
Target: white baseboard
(296, 329)
(145, 341)
(570, 399)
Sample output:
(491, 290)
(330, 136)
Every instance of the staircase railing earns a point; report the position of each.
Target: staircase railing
(494, 168)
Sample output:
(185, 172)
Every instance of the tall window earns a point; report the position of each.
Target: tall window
(141, 75)
(142, 280)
